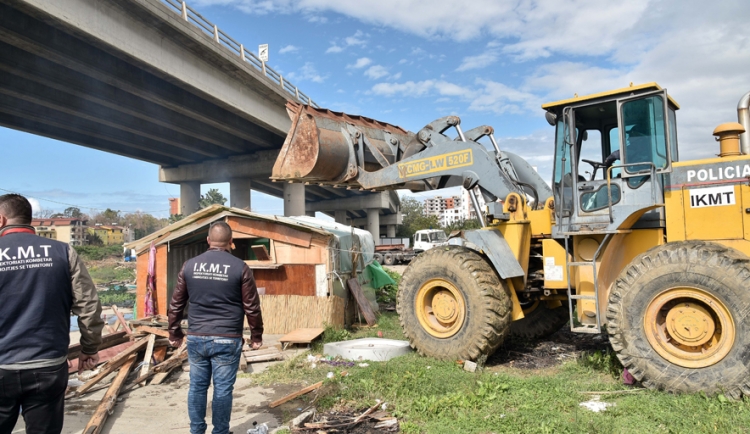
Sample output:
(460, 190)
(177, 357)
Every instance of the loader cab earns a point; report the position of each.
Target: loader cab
(611, 150)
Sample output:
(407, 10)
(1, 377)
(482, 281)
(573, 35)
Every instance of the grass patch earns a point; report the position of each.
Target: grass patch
(105, 273)
(118, 297)
(387, 294)
(432, 396)
(97, 253)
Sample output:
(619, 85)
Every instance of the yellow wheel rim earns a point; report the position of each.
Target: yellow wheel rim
(440, 308)
(689, 327)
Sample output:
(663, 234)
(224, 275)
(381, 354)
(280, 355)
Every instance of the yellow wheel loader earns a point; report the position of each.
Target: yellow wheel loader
(625, 235)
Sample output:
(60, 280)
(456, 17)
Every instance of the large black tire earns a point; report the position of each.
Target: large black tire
(486, 321)
(378, 257)
(691, 272)
(540, 321)
(388, 259)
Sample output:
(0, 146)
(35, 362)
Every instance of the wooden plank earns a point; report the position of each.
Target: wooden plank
(266, 358)
(113, 364)
(104, 355)
(302, 336)
(160, 354)
(96, 423)
(261, 253)
(166, 367)
(149, 353)
(291, 396)
(122, 321)
(108, 341)
(153, 330)
(273, 230)
(362, 302)
(291, 279)
(262, 352)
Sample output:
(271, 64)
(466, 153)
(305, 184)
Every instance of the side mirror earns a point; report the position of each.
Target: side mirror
(551, 118)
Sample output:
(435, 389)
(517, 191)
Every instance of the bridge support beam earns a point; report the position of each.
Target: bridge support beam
(373, 223)
(294, 200)
(190, 194)
(239, 193)
(340, 216)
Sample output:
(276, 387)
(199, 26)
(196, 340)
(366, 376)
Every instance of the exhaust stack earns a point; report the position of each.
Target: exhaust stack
(743, 117)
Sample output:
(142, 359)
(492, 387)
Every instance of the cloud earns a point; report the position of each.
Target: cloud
(478, 61)
(288, 49)
(308, 72)
(355, 40)
(360, 63)
(419, 89)
(35, 206)
(376, 71)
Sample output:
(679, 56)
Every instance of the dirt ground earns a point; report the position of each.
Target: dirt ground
(163, 408)
(548, 352)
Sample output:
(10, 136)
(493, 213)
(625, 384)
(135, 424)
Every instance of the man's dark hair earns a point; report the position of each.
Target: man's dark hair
(220, 232)
(16, 207)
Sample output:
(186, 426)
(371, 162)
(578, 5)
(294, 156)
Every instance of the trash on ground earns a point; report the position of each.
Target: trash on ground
(595, 405)
(374, 349)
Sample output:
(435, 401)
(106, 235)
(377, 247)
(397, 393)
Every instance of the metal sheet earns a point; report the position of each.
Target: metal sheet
(492, 244)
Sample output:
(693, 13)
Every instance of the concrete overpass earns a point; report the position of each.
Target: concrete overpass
(156, 81)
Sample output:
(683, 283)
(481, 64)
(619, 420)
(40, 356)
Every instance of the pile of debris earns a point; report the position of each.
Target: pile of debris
(142, 344)
(375, 417)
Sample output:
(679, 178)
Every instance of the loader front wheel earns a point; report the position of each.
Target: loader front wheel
(678, 318)
(452, 305)
(540, 320)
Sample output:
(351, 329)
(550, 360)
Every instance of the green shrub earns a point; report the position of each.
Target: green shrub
(97, 253)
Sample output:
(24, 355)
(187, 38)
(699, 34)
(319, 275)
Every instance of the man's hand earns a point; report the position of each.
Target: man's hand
(177, 343)
(256, 345)
(87, 362)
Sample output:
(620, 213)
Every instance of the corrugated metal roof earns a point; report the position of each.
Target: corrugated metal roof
(207, 216)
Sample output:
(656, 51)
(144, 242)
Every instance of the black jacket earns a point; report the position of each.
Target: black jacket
(219, 289)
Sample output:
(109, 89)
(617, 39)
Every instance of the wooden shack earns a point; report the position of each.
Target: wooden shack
(300, 264)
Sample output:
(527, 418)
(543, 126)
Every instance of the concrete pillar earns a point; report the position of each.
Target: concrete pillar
(239, 193)
(294, 200)
(373, 223)
(340, 216)
(190, 193)
(391, 231)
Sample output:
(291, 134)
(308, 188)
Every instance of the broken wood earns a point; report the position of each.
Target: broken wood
(166, 367)
(149, 353)
(264, 352)
(122, 321)
(113, 364)
(300, 392)
(160, 354)
(96, 423)
(242, 367)
(362, 301)
(108, 341)
(153, 330)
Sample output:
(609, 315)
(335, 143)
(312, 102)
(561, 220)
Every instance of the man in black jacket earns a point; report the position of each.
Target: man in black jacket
(219, 289)
(41, 282)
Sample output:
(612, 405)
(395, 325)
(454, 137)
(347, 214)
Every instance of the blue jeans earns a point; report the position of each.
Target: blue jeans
(217, 357)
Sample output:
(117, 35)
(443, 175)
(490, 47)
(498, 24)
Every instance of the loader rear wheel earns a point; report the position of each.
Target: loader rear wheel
(452, 305)
(677, 318)
(540, 320)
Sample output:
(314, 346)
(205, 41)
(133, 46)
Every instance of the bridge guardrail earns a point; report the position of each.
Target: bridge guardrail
(192, 16)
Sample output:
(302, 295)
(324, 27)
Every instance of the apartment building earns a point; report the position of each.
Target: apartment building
(68, 230)
(108, 234)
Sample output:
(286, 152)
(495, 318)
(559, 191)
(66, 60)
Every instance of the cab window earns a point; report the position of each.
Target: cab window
(645, 135)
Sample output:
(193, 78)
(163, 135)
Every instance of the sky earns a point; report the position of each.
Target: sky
(409, 62)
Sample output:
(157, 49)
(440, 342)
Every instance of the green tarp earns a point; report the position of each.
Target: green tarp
(378, 277)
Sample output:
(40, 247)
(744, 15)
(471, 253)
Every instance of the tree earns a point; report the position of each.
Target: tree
(414, 218)
(44, 213)
(73, 212)
(142, 224)
(174, 218)
(462, 225)
(212, 196)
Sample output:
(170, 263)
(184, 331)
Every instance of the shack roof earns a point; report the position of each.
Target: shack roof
(209, 215)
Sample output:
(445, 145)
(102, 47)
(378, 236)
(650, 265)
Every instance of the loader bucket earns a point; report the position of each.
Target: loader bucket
(320, 145)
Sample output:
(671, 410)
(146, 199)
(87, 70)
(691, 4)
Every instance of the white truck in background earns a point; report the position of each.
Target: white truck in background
(424, 239)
